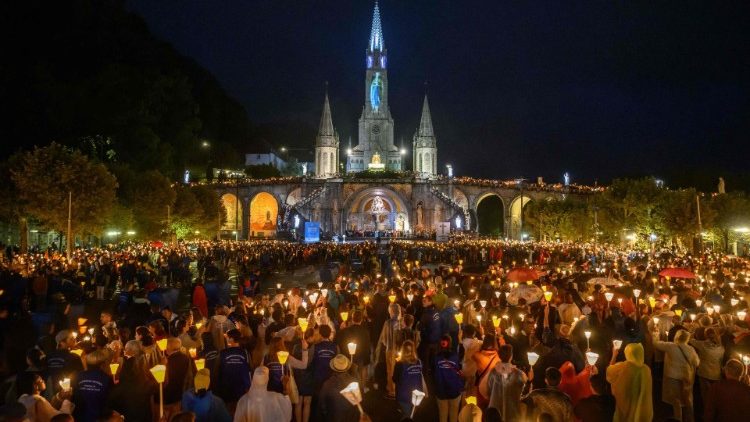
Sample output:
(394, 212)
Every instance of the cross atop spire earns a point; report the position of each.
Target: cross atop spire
(425, 123)
(376, 35)
(326, 122)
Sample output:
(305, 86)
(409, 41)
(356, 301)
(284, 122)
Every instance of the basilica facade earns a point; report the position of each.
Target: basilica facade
(371, 192)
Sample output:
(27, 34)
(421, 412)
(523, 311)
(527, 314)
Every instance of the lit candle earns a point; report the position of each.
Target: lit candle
(65, 384)
(302, 324)
(282, 356)
(113, 368)
(495, 321)
(193, 352)
(352, 348)
(200, 364)
(344, 316)
(392, 298)
(459, 318)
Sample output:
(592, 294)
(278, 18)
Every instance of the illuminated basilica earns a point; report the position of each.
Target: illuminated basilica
(372, 193)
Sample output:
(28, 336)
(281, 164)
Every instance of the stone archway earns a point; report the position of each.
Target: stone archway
(377, 209)
(516, 229)
(264, 213)
(233, 207)
(490, 215)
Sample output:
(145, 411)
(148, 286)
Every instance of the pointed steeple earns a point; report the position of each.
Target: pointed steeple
(376, 34)
(326, 122)
(425, 123)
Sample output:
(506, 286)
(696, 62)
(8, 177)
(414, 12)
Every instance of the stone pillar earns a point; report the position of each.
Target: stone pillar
(245, 232)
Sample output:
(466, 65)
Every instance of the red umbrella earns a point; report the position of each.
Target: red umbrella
(677, 273)
(157, 244)
(522, 274)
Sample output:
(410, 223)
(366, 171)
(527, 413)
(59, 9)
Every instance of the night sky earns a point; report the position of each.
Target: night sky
(600, 89)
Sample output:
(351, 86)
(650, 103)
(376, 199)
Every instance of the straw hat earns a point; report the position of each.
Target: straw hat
(340, 363)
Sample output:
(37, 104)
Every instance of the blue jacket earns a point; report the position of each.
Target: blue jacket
(207, 408)
(448, 381)
(234, 374)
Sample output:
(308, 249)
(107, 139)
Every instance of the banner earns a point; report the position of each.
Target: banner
(442, 231)
(312, 231)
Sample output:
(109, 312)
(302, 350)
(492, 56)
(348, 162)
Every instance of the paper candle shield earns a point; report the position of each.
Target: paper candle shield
(533, 357)
(159, 372)
(352, 394)
(591, 358)
(417, 397)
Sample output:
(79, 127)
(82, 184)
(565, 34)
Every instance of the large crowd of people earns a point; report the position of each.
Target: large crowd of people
(468, 330)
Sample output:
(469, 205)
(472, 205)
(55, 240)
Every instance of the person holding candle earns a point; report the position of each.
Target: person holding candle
(180, 370)
(387, 346)
(449, 381)
(277, 371)
(358, 334)
(680, 364)
(505, 385)
(631, 386)
(132, 395)
(233, 376)
(201, 402)
(91, 388)
(304, 379)
(470, 345)
(408, 376)
(576, 385)
(30, 385)
(62, 361)
(563, 350)
(711, 353)
(322, 353)
(431, 329)
(332, 405)
(261, 405)
(486, 359)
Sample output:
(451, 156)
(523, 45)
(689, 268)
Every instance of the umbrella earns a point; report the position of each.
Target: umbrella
(677, 273)
(531, 293)
(157, 244)
(522, 274)
(605, 281)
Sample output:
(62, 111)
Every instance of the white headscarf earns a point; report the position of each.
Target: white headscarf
(261, 405)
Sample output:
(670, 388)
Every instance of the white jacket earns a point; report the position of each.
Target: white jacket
(675, 364)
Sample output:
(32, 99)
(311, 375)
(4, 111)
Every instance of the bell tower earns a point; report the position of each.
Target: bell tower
(376, 123)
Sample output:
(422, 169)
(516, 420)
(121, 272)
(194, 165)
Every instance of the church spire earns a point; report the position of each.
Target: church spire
(425, 123)
(326, 122)
(376, 35)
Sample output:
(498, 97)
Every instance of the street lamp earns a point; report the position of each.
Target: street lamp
(450, 170)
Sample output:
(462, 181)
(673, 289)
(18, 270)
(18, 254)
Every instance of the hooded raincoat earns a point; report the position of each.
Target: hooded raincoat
(631, 386)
